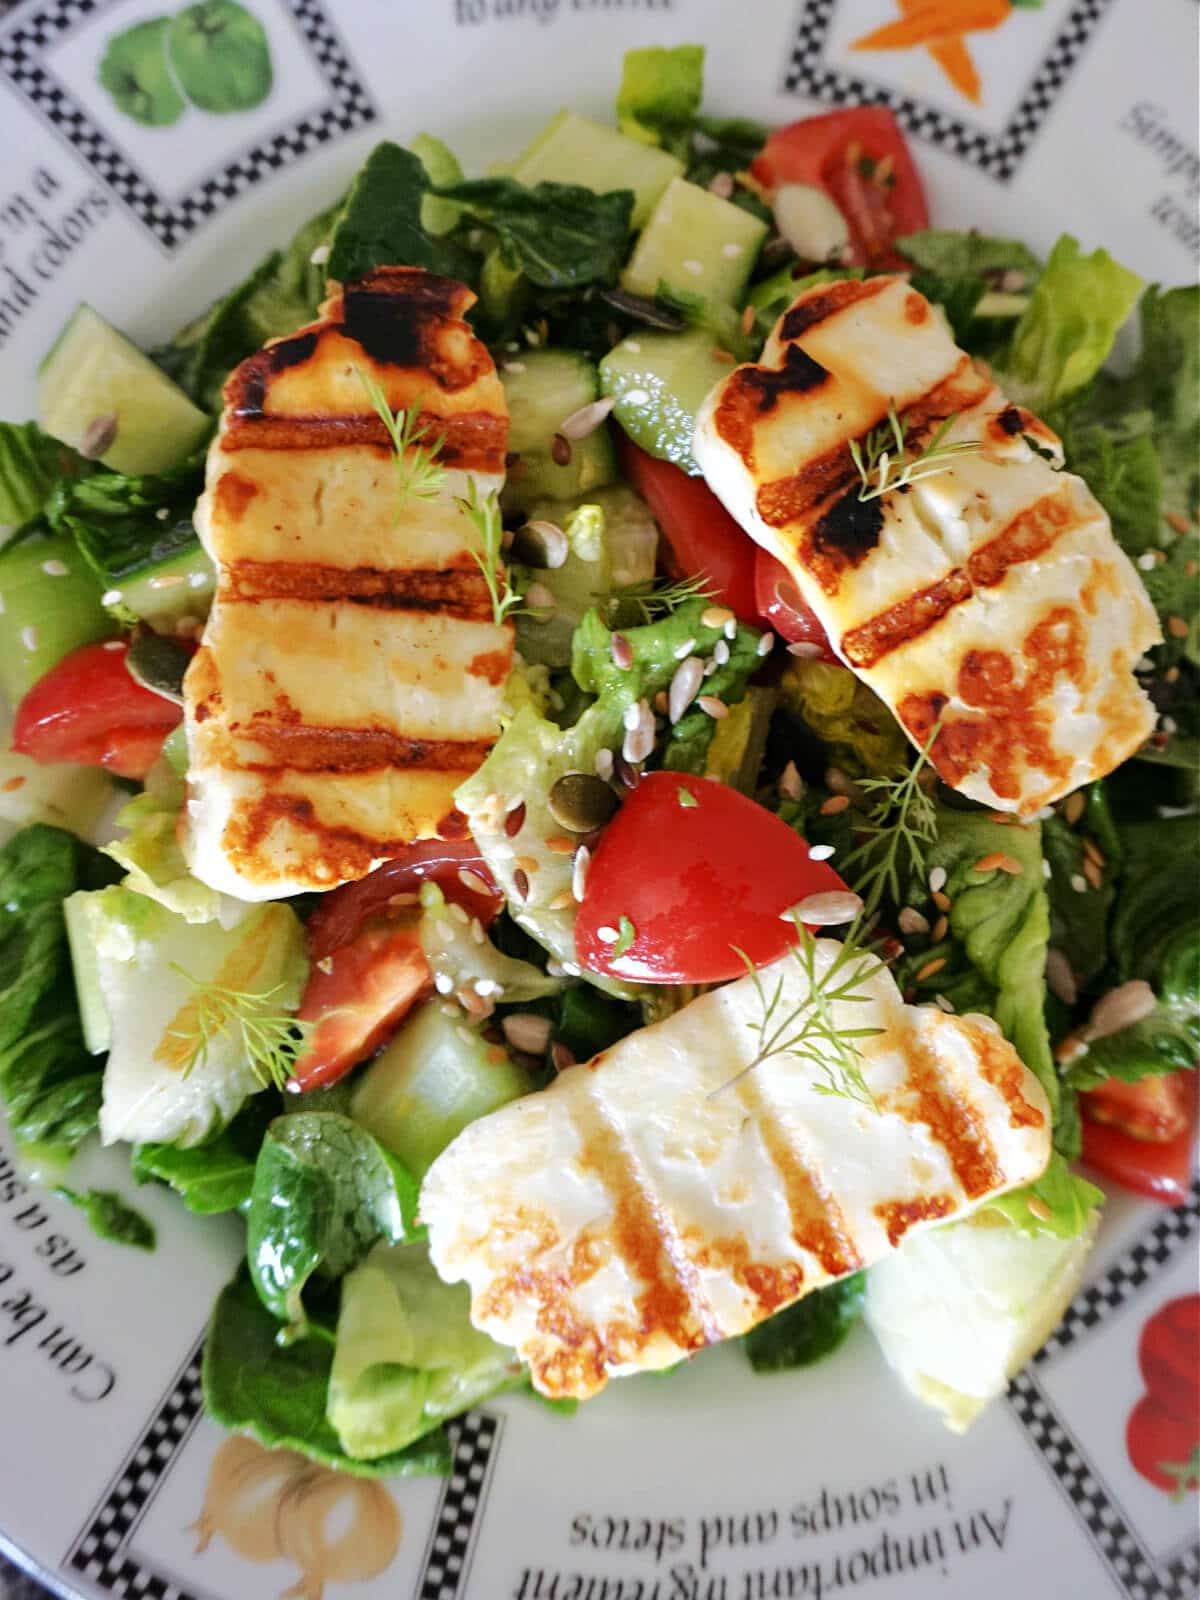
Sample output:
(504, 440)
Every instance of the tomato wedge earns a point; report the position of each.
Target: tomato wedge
(357, 996)
(343, 911)
(780, 605)
(87, 710)
(1120, 1141)
(704, 539)
(692, 871)
(861, 160)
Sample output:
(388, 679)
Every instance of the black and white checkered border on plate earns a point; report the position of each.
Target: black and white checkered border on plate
(102, 1551)
(1135, 1572)
(25, 60)
(998, 155)
(474, 1439)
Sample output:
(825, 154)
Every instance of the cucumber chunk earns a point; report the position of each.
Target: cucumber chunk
(660, 381)
(51, 606)
(94, 372)
(574, 149)
(182, 584)
(696, 242)
(432, 1080)
(543, 388)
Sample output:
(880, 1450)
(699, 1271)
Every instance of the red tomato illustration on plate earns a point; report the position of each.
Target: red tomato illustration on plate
(1162, 1435)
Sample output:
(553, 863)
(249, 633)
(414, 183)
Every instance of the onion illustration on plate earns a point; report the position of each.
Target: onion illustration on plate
(274, 1504)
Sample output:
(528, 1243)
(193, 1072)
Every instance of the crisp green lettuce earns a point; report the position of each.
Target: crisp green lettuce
(857, 729)
(1062, 1202)
(154, 863)
(1175, 593)
(31, 463)
(215, 1176)
(808, 1331)
(278, 1393)
(407, 1357)
(1066, 332)
(953, 254)
(660, 95)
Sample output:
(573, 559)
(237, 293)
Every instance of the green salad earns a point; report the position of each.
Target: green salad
(700, 772)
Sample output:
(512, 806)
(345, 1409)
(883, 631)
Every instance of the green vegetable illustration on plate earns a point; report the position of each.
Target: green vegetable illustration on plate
(213, 54)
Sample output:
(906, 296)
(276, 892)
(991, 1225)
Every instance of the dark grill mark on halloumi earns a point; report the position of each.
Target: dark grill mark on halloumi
(849, 530)
(281, 746)
(815, 308)
(457, 592)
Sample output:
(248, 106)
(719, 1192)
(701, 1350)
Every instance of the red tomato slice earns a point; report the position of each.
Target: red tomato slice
(88, 710)
(356, 997)
(1160, 1169)
(1158, 1109)
(703, 538)
(1169, 1351)
(780, 605)
(1160, 1434)
(694, 881)
(861, 160)
(343, 911)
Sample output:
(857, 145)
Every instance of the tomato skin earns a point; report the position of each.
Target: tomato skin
(820, 151)
(1156, 1108)
(1169, 1350)
(703, 537)
(679, 871)
(343, 911)
(88, 711)
(1159, 1169)
(356, 997)
(781, 607)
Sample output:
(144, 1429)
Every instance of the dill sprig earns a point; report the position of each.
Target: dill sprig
(810, 1030)
(419, 473)
(655, 600)
(885, 462)
(899, 829)
(272, 1040)
(484, 512)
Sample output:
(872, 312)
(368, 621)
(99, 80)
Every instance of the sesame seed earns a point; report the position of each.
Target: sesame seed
(111, 597)
(406, 898)
(113, 644)
(579, 870)
(696, 268)
(1038, 1208)
(732, 250)
(572, 969)
(634, 346)
(560, 844)
(443, 982)
(1146, 561)
(486, 986)
(603, 764)
(632, 715)
(458, 914)
(937, 879)
(682, 651)
(635, 397)
(1047, 869)
(820, 852)
(713, 706)
(55, 569)
(1143, 664)
(477, 933)
(1168, 725)
(716, 616)
(721, 652)
(473, 882)
(731, 628)
(1079, 883)
(835, 804)
(805, 649)
(167, 580)
(930, 968)
(198, 580)
(607, 935)
(765, 645)
(320, 255)
(910, 920)
(29, 638)
(514, 366)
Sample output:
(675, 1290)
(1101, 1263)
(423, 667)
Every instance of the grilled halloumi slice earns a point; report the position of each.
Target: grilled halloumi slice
(992, 594)
(645, 1204)
(351, 673)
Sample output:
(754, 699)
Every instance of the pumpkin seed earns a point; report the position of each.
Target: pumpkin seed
(158, 663)
(643, 310)
(540, 544)
(580, 801)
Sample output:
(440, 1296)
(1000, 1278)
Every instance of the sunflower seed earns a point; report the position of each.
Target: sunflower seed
(828, 910)
(684, 687)
(603, 763)
(910, 920)
(526, 1031)
(98, 437)
(804, 649)
(1121, 1008)
(716, 616)
(937, 879)
(587, 419)
(1060, 979)
(579, 870)
(713, 706)
(791, 784)
(682, 651)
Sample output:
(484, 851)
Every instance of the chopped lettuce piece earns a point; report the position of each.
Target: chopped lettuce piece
(454, 951)
(278, 1393)
(199, 1014)
(324, 1192)
(1078, 922)
(1175, 594)
(1067, 331)
(660, 94)
(859, 732)
(110, 1217)
(31, 463)
(809, 1330)
(560, 235)
(381, 223)
(215, 1176)
(954, 254)
(407, 1357)
(958, 1309)
(1059, 1203)
(154, 862)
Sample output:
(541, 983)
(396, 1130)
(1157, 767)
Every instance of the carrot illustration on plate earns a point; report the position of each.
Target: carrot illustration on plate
(941, 27)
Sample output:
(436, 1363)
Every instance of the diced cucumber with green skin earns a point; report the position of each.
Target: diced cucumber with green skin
(660, 381)
(50, 606)
(181, 586)
(696, 242)
(83, 913)
(93, 372)
(58, 793)
(434, 1078)
(739, 743)
(543, 388)
(503, 291)
(438, 216)
(574, 149)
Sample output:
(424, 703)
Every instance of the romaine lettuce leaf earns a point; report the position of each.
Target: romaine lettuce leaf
(1067, 330)
(560, 235)
(278, 1393)
(954, 254)
(154, 862)
(809, 1330)
(407, 1357)
(380, 223)
(324, 1192)
(660, 94)
(31, 463)
(1062, 1202)
(215, 1176)
(859, 732)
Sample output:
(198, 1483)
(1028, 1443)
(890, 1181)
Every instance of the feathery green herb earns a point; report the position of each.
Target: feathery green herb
(419, 473)
(272, 1040)
(899, 829)
(484, 512)
(885, 462)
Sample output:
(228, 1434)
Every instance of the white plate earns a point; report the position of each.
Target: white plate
(714, 1485)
